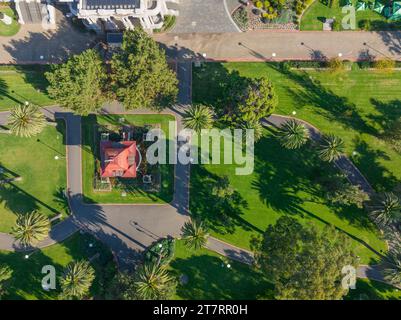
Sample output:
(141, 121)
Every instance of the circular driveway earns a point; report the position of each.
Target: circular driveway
(207, 16)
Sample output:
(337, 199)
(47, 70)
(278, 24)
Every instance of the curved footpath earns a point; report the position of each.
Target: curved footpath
(129, 229)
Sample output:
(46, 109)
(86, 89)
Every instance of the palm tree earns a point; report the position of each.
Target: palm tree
(194, 234)
(198, 117)
(292, 134)
(77, 279)
(393, 273)
(26, 120)
(153, 282)
(331, 147)
(257, 128)
(388, 210)
(31, 228)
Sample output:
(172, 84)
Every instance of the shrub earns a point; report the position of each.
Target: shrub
(335, 65)
(163, 250)
(365, 25)
(385, 65)
(365, 64)
(286, 65)
(259, 4)
(336, 26)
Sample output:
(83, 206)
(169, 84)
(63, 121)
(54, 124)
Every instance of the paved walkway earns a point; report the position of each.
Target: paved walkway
(203, 16)
(260, 45)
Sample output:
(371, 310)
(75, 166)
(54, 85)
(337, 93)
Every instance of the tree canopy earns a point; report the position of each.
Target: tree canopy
(80, 83)
(141, 77)
(249, 100)
(305, 262)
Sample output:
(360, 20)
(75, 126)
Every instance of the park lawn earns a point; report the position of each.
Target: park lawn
(27, 275)
(43, 178)
(281, 186)
(283, 182)
(13, 28)
(88, 160)
(209, 278)
(23, 83)
(366, 289)
(326, 101)
(314, 15)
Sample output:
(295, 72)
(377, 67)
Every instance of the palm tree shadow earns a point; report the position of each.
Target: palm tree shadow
(208, 278)
(331, 106)
(221, 215)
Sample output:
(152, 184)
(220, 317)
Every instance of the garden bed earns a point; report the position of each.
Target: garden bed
(125, 190)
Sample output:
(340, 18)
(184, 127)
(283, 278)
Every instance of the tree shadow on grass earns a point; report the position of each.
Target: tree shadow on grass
(287, 180)
(372, 290)
(325, 101)
(281, 174)
(211, 84)
(27, 276)
(4, 92)
(17, 200)
(209, 278)
(389, 112)
(380, 177)
(220, 215)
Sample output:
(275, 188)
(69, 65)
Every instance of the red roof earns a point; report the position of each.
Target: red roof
(119, 159)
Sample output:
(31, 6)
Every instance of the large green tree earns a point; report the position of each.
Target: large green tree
(80, 83)
(305, 262)
(77, 280)
(26, 120)
(249, 100)
(31, 228)
(141, 77)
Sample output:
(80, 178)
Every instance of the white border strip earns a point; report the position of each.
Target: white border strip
(229, 16)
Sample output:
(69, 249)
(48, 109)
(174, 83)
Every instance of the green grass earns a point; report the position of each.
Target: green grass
(42, 176)
(23, 83)
(13, 28)
(355, 105)
(313, 16)
(373, 290)
(209, 277)
(27, 275)
(283, 180)
(114, 196)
